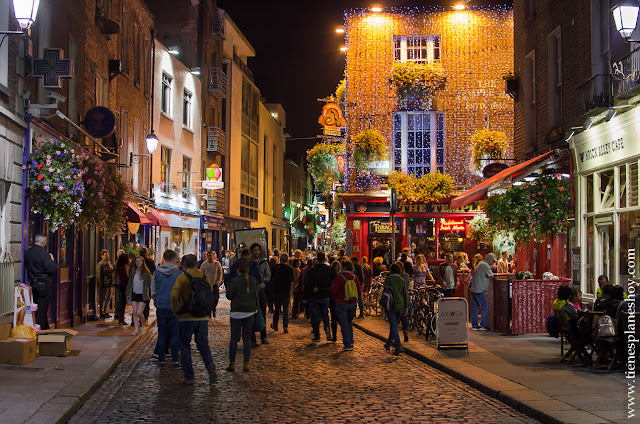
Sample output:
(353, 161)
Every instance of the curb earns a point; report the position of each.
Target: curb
(73, 408)
(504, 397)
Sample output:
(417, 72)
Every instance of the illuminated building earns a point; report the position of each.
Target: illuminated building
(475, 49)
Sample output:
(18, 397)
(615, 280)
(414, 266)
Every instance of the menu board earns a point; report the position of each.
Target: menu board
(451, 322)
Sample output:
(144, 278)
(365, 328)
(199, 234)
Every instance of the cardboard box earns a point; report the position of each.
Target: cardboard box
(17, 351)
(55, 342)
(5, 330)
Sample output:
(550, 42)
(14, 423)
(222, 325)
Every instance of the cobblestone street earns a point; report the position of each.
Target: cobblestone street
(291, 381)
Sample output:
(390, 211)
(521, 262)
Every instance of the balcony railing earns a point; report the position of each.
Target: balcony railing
(215, 203)
(219, 24)
(625, 75)
(216, 140)
(595, 94)
(217, 82)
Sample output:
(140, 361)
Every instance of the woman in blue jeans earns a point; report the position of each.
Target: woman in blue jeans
(400, 302)
(345, 308)
(242, 291)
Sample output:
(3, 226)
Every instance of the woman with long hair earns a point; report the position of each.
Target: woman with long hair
(138, 293)
(421, 272)
(242, 291)
(122, 274)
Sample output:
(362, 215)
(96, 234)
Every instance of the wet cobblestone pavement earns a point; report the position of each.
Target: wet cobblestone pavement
(291, 380)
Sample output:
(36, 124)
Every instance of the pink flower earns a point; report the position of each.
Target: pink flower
(537, 210)
(57, 152)
(48, 156)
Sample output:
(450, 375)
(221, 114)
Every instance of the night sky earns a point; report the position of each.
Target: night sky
(298, 57)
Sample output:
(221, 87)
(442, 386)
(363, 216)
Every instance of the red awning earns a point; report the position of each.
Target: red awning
(480, 191)
(156, 218)
(135, 215)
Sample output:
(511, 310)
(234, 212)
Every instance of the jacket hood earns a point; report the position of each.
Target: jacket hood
(167, 269)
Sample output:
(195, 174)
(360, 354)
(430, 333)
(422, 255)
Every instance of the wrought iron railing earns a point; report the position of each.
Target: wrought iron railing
(218, 24)
(216, 140)
(217, 82)
(625, 74)
(595, 93)
(215, 203)
(7, 284)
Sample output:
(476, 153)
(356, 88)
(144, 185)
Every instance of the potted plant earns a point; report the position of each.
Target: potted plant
(488, 144)
(369, 146)
(416, 84)
(323, 165)
(427, 189)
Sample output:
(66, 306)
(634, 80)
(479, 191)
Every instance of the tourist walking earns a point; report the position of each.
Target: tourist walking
(123, 264)
(358, 272)
(104, 280)
(138, 293)
(346, 306)
(40, 268)
(213, 270)
(479, 288)
(283, 279)
(367, 272)
(242, 291)
(318, 291)
(190, 324)
(400, 301)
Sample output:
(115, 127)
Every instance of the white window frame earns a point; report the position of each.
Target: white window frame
(165, 97)
(186, 108)
(405, 50)
(437, 125)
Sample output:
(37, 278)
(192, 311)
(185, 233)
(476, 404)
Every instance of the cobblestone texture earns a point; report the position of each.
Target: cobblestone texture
(291, 381)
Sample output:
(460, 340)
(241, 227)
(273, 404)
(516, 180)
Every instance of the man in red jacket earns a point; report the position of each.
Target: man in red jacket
(345, 309)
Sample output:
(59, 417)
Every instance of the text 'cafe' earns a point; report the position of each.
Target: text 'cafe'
(432, 228)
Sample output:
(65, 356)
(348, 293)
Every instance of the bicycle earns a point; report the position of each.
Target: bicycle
(371, 299)
(425, 316)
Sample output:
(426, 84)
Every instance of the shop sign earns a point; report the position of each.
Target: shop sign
(451, 322)
(362, 207)
(439, 207)
(214, 178)
(332, 120)
(356, 224)
(493, 169)
(380, 226)
(608, 142)
(447, 225)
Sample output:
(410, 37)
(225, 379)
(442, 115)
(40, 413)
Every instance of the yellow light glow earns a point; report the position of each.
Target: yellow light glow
(340, 30)
(459, 6)
(376, 9)
(343, 49)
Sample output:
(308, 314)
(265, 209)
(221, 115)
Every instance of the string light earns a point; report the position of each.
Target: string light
(476, 49)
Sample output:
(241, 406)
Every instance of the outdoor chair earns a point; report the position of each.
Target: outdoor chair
(578, 348)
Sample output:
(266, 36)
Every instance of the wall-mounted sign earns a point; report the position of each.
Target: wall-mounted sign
(99, 121)
(356, 224)
(362, 207)
(332, 120)
(438, 207)
(214, 178)
(446, 225)
(52, 68)
(383, 226)
(493, 168)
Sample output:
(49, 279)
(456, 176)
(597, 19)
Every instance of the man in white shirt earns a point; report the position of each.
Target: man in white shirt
(212, 269)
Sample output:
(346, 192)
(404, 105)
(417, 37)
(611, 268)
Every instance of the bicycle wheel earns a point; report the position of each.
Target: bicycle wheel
(432, 325)
(421, 319)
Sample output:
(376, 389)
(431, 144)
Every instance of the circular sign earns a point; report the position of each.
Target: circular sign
(99, 121)
(493, 169)
(362, 207)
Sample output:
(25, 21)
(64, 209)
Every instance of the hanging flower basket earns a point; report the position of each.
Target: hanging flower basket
(369, 146)
(488, 144)
(416, 84)
(56, 168)
(323, 165)
(426, 189)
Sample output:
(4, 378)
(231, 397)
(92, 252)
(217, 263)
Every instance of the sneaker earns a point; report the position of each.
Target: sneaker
(347, 349)
(155, 356)
(187, 382)
(211, 369)
(398, 351)
(286, 331)
(483, 329)
(135, 333)
(406, 337)
(387, 346)
(475, 328)
(175, 365)
(316, 340)
(329, 336)
(144, 331)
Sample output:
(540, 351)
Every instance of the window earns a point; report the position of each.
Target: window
(165, 105)
(416, 48)
(555, 79)
(186, 176)
(147, 59)
(137, 56)
(529, 8)
(186, 109)
(530, 99)
(136, 150)
(418, 142)
(250, 103)
(124, 47)
(165, 169)
(265, 173)
(4, 49)
(102, 91)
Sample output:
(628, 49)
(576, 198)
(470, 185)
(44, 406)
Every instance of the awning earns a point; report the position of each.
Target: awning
(135, 215)
(480, 191)
(157, 219)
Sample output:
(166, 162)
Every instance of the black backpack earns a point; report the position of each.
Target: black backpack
(386, 299)
(202, 299)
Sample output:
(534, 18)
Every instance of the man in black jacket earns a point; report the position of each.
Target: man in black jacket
(317, 288)
(40, 268)
(282, 281)
(358, 272)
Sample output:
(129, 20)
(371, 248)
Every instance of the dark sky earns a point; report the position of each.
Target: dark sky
(298, 57)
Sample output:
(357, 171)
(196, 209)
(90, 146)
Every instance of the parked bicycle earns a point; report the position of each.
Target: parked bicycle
(371, 299)
(425, 315)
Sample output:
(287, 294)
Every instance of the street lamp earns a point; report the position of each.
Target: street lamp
(152, 143)
(26, 11)
(625, 16)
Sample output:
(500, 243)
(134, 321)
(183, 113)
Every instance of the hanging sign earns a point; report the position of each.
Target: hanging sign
(493, 169)
(383, 226)
(52, 68)
(447, 225)
(214, 178)
(332, 120)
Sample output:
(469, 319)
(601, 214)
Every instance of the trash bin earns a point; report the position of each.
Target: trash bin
(500, 310)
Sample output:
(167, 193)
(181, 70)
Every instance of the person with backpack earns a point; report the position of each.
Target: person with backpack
(318, 290)
(397, 297)
(192, 300)
(345, 292)
(242, 291)
(282, 281)
(265, 277)
(162, 283)
(138, 293)
(358, 272)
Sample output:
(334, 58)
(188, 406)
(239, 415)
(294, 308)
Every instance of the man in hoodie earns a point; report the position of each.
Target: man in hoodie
(317, 288)
(213, 270)
(162, 283)
(191, 325)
